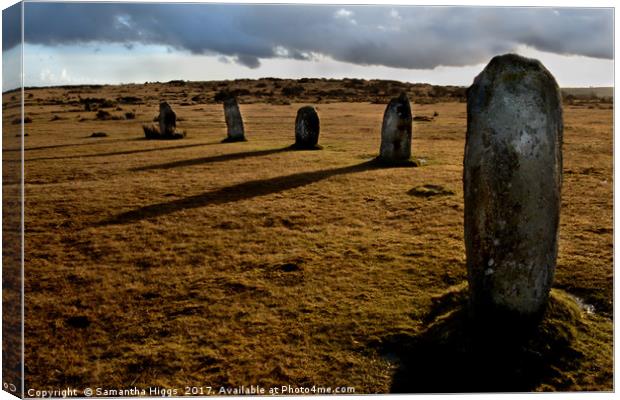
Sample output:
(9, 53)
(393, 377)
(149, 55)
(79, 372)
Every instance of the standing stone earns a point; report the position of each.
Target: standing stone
(167, 120)
(234, 122)
(307, 127)
(396, 131)
(512, 180)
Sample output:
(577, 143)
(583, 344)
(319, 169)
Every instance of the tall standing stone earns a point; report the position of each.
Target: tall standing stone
(234, 122)
(512, 181)
(307, 128)
(167, 120)
(396, 131)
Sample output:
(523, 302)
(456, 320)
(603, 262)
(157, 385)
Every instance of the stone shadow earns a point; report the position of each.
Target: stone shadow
(58, 146)
(120, 153)
(457, 355)
(241, 191)
(213, 159)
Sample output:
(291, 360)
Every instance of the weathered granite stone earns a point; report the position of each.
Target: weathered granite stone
(307, 127)
(234, 122)
(396, 131)
(167, 120)
(512, 181)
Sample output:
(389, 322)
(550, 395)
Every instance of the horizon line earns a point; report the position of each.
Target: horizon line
(258, 79)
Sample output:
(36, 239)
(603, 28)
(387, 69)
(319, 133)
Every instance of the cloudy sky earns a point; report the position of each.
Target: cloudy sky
(72, 43)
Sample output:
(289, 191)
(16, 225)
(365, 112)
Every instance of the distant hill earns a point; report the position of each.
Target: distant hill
(589, 92)
(273, 91)
(286, 91)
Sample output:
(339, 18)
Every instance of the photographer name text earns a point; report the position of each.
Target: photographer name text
(189, 391)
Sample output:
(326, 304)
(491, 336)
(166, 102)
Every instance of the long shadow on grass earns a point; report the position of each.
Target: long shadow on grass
(120, 153)
(212, 159)
(455, 354)
(241, 191)
(57, 146)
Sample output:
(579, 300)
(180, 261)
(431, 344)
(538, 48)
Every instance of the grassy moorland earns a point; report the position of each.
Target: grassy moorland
(198, 263)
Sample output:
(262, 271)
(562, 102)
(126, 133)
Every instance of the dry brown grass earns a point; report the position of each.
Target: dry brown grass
(11, 243)
(196, 263)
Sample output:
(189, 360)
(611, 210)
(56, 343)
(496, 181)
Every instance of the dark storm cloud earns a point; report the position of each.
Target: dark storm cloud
(11, 26)
(405, 37)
